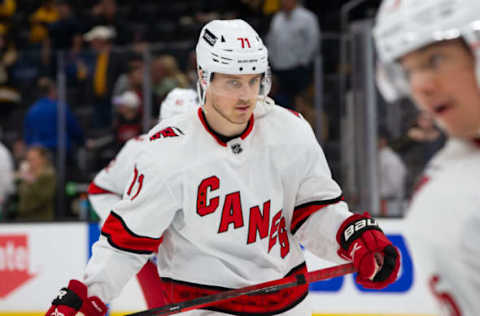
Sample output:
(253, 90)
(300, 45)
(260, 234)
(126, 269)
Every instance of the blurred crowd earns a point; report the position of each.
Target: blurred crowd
(108, 60)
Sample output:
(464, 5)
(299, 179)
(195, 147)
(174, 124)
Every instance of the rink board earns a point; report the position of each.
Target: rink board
(37, 259)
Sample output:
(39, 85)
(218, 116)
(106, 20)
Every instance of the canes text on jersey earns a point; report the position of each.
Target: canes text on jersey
(232, 213)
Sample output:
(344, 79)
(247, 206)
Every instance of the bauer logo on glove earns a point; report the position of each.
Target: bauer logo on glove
(358, 226)
(375, 258)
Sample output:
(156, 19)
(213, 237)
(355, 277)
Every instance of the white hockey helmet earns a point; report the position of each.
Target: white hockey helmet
(178, 101)
(402, 26)
(231, 47)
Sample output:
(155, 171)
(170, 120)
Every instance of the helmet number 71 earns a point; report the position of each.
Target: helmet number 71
(244, 40)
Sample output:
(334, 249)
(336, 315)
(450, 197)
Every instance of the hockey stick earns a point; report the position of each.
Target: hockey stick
(262, 288)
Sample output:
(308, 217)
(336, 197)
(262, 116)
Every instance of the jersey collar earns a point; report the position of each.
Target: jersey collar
(217, 136)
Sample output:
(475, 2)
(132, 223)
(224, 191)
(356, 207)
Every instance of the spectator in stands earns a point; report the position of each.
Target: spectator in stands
(8, 56)
(40, 125)
(9, 96)
(19, 152)
(393, 173)
(6, 178)
(127, 124)
(106, 69)
(271, 6)
(292, 41)
(36, 189)
(7, 9)
(63, 31)
(77, 64)
(105, 13)
(420, 143)
(132, 79)
(128, 119)
(41, 19)
(166, 75)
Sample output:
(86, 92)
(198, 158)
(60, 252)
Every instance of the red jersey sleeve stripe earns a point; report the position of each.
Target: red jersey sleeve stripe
(121, 237)
(95, 189)
(302, 212)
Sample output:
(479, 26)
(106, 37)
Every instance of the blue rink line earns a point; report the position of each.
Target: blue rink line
(93, 235)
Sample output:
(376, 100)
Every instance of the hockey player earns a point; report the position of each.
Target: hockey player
(430, 50)
(108, 186)
(229, 195)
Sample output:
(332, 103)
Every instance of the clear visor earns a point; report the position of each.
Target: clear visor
(238, 88)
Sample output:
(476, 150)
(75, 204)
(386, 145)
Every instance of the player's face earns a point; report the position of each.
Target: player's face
(232, 98)
(443, 83)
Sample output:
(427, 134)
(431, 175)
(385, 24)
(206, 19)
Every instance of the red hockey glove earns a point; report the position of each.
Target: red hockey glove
(74, 298)
(375, 258)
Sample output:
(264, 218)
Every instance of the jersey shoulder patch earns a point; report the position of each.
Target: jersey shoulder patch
(170, 131)
(171, 128)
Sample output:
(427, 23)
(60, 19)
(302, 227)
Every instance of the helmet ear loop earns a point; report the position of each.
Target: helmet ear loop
(204, 78)
(266, 83)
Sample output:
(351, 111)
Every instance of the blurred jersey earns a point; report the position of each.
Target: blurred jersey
(444, 227)
(108, 186)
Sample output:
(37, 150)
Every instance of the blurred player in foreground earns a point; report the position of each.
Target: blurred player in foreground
(229, 193)
(108, 186)
(430, 51)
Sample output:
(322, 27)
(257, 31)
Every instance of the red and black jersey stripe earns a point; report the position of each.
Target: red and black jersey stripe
(259, 304)
(302, 212)
(121, 237)
(94, 189)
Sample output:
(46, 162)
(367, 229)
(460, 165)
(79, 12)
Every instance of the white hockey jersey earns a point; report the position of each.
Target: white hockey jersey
(108, 185)
(444, 228)
(228, 215)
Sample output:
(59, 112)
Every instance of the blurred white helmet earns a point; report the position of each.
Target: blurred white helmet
(128, 99)
(231, 47)
(403, 26)
(178, 101)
